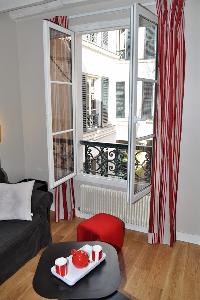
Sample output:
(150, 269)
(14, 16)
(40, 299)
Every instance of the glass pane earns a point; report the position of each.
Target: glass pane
(105, 101)
(62, 109)
(143, 159)
(60, 56)
(63, 155)
(146, 49)
(145, 108)
(120, 99)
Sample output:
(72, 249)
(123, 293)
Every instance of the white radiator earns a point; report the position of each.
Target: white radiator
(95, 200)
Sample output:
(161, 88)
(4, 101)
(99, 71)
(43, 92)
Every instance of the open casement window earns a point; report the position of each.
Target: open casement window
(59, 75)
(119, 153)
(142, 96)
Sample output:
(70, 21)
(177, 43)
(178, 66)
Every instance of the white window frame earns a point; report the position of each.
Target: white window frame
(116, 183)
(46, 42)
(109, 182)
(136, 12)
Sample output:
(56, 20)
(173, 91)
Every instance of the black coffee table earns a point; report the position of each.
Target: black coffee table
(101, 282)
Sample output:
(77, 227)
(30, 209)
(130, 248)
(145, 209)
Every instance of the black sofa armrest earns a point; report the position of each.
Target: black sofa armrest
(38, 185)
(40, 205)
(41, 202)
(3, 176)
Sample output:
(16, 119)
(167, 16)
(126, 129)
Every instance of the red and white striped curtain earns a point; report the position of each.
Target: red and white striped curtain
(64, 198)
(60, 20)
(64, 201)
(168, 121)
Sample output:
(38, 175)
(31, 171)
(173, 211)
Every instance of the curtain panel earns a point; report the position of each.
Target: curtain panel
(64, 201)
(64, 197)
(168, 121)
(60, 20)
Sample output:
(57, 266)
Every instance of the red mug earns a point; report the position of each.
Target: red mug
(97, 253)
(61, 264)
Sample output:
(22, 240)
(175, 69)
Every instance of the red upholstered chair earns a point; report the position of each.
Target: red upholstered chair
(102, 227)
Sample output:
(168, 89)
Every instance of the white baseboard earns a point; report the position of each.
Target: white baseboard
(184, 237)
(136, 228)
(82, 215)
(189, 238)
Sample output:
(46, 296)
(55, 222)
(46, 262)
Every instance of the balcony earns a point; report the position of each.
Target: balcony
(92, 122)
(123, 54)
(110, 160)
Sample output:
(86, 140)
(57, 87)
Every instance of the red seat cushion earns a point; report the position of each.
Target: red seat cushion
(103, 227)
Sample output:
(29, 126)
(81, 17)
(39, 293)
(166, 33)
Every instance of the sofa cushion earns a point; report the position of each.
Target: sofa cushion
(15, 201)
(21, 242)
(16, 231)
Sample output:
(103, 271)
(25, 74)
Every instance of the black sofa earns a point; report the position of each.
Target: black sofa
(21, 240)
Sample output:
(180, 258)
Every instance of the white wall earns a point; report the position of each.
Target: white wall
(23, 151)
(32, 88)
(11, 147)
(188, 209)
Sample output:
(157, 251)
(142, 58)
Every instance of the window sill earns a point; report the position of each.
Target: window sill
(117, 184)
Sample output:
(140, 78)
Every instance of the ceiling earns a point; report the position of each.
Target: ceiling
(18, 9)
(10, 5)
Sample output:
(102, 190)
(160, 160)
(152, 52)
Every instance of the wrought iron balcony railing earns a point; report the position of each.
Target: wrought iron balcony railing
(110, 160)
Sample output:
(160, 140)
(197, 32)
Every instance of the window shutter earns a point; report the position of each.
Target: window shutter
(84, 101)
(147, 100)
(104, 40)
(104, 100)
(149, 47)
(128, 44)
(120, 99)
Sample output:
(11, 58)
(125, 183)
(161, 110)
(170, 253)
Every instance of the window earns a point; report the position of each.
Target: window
(149, 42)
(105, 147)
(99, 39)
(104, 40)
(59, 102)
(94, 101)
(120, 99)
(124, 43)
(91, 37)
(144, 89)
(121, 148)
(104, 100)
(91, 105)
(147, 103)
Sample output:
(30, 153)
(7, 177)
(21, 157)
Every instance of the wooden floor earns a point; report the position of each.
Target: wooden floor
(148, 272)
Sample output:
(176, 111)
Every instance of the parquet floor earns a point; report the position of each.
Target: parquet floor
(148, 272)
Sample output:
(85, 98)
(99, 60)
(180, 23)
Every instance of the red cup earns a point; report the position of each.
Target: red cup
(97, 253)
(61, 265)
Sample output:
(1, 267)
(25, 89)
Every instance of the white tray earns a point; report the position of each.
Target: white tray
(74, 274)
